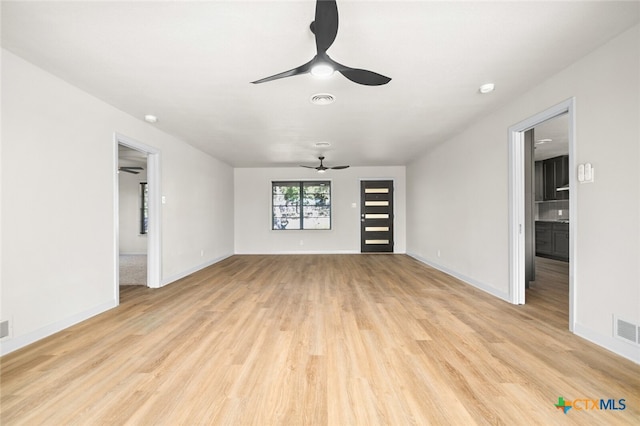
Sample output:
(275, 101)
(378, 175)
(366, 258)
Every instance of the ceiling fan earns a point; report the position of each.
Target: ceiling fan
(135, 170)
(325, 28)
(322, 168)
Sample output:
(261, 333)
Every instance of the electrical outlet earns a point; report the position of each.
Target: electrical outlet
(438, 253)
(559, 212)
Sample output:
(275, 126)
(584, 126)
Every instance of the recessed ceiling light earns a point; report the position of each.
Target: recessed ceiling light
(322, 99)
(150, 118)
(487, 88)
(321, 144)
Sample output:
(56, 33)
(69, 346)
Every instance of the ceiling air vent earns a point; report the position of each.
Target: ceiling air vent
(322, 99)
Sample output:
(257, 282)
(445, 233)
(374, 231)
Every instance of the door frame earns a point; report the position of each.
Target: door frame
(516, 204)
(154, 236)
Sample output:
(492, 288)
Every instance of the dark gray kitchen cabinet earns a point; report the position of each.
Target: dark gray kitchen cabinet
(544, 238)
(555, 175)
(552, 240)
(561, 242)
(539, 181)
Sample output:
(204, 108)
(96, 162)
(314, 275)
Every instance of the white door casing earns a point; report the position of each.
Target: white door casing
(517, 204)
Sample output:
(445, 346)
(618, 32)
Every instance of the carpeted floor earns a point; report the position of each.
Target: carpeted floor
(133, 269)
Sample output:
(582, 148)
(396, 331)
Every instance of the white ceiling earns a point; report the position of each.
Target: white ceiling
(551, 138)
(190, 63)
(131, 157)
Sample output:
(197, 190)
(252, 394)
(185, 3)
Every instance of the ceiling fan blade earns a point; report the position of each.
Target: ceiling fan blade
(339, 167)
(302, 69)
(325, 26)
(129, 171)
(367, 78)
(308, 167)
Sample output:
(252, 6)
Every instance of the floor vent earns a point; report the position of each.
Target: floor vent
(4, 329)
(627, 331)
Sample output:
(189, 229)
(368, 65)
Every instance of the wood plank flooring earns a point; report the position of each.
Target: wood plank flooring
(320, 340)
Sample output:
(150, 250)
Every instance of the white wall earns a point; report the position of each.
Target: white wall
(253, 232)
(199, 210)
(458, 192)
(131, 241)
(58, 200)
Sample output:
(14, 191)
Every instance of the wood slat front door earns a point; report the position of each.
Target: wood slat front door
(376, 216)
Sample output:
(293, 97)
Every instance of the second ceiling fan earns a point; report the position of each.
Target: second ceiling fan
(322, 168)
(325, 28)
(133, 169)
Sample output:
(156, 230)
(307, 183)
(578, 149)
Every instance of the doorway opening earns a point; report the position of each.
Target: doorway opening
(137, 214)
(133, 216)
(556, 204)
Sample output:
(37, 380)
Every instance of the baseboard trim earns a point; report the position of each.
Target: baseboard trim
(10, 344)
(610, 343)
(467, 280)
(176, 277)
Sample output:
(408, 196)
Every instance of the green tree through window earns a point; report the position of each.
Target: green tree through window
(301, 205)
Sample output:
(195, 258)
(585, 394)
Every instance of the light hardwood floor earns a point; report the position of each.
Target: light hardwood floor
(320, 340)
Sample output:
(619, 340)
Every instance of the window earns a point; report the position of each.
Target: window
(301, 205)
(144, 208)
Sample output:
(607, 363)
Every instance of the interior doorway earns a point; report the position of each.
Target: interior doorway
(522, 219)
(133, 216)
(139, 164)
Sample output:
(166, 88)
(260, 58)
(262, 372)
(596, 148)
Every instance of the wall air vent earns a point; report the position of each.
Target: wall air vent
(626, 331)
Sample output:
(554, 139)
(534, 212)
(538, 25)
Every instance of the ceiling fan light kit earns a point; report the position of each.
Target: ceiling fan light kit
(325, 29)
(322, 70)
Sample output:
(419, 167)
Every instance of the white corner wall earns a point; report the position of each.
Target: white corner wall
(253, 234)
(58, 200)
(469, 175)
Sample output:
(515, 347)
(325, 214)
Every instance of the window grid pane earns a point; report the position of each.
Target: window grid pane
(286, 205)
(144, 208)
(301, 205)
